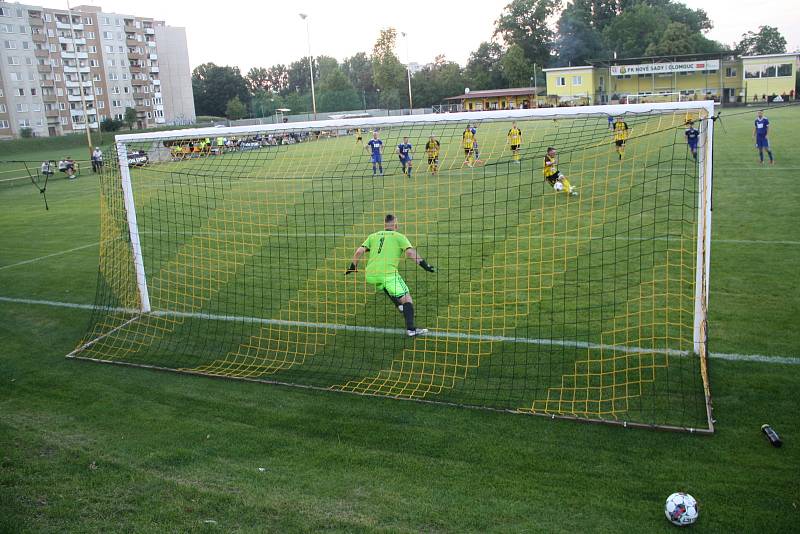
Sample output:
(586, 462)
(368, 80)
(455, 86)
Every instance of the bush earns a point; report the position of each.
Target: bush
(26, 133)
(111, 125)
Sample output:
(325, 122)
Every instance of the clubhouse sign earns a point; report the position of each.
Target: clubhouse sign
(664, 68)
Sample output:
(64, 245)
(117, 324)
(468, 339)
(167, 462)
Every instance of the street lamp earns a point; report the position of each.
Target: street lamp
(310, 64)
(408, 71)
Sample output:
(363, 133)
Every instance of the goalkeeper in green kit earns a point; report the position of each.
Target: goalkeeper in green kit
(386, 248)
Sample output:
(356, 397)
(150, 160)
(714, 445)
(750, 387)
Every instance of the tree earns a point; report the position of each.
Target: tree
(630, 33)
(579, 38)
(767, 40)
(516, 68)
(214, 86)
(524, 23)
(387, 71)
(257, 79)
(110, 125)
(436, 82)
(234, 109)
(299, 76)
(484, 70)
(679, 39)
(129, 118)
(358, 70)
(278, 78)
(336, 93)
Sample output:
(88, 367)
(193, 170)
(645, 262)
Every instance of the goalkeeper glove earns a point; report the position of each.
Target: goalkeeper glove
(424, 264)
(351, 269)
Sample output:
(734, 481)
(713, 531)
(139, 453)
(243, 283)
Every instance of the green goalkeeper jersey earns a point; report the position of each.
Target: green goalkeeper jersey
(386, 249)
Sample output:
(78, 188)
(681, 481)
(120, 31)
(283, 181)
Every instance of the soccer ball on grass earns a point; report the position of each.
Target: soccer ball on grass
(681, 509)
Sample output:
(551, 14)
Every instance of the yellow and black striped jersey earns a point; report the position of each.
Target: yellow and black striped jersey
(620, 131)
(550, 166)
(515, 136)
(432, 148)
(469, 138)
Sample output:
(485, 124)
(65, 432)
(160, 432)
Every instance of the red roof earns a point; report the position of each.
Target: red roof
(514, 91)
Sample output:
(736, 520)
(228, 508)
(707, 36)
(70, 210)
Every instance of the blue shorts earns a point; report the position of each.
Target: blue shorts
(405, 160)
(376, 158)
(693, 145)
(762, 142)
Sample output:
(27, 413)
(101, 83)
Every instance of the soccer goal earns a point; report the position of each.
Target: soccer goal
(592, 306)
(653, 98)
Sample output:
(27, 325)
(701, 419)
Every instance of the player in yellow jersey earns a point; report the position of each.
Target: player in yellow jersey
(621, 133)
(514, 138)
(432, 148)
(359, 136)
(554, 176)
(468, 142)
(386, 248)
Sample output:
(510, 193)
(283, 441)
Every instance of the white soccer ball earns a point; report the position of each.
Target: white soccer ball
(681, 509)
(558, 186)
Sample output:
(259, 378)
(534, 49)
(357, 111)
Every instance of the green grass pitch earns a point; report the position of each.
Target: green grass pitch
(87, 447)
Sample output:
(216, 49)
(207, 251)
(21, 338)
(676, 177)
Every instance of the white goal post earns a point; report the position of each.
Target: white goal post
(653, 98)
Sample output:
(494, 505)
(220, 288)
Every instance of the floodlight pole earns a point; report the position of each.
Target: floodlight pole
(310, 63)
(408, 71)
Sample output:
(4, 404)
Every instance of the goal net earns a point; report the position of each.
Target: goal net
(224, 250)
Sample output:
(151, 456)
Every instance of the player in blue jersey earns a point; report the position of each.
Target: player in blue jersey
(375, 145)
(404, 153)
(692, 136)
(760, 135)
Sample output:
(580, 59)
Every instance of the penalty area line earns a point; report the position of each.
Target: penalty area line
(54, 254)
(758, 358)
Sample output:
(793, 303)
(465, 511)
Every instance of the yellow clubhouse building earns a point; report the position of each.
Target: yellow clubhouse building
(723, 78)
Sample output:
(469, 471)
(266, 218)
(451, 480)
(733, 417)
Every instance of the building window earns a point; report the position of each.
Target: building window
(561, 81)
(109, 49)
(6, 28)
(108, 35)
(752, 71)
(90, 35)
(98, 91)
(20, 91)
(101, 104)
(24, 123)
(3, 124)
(26, 45)
(3, 108)
(33, 91)
(730, 72)
(577, 80)
(89, 21)
(22, 108)
(13, 60)
(10, 45)
(785, 69)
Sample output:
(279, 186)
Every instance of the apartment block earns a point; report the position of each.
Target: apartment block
(63, 70)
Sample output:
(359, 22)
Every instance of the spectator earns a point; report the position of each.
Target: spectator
(97, 159)
(47, 168)
(67, 166)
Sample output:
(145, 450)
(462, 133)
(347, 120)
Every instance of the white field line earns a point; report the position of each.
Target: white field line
(32, 260)
(788, 360)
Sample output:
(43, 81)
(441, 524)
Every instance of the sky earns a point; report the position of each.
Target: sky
(248, 33)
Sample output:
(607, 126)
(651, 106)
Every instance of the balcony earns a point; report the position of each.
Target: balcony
(135, 68)
(47, 83)
(44, 69)
(39, 38)
(72, 84)
(75, 55)
(154, 69)
(35, 21)
(84, 70)
(152, 56)
(70, 40)
(151, 44)
(157, 82)
(135, 55)
(77, 98)
(140, 82)
(82, 125)
(48, 98)
(132, 42)
(41, 53)
(67, 26)
(50, 113)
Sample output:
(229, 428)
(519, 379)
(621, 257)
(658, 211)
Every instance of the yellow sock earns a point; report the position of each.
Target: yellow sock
(567, 186)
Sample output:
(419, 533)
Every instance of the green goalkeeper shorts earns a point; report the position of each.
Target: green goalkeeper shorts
(393, 284)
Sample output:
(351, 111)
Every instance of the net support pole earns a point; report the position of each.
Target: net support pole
(133, 227)
(705, 162)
